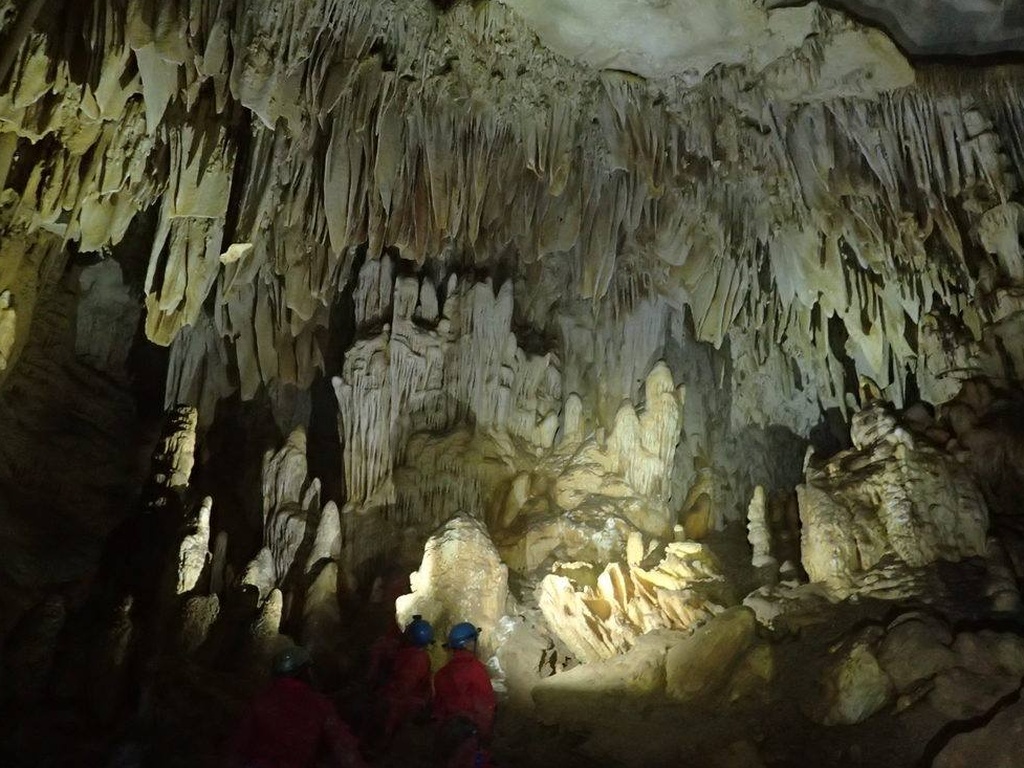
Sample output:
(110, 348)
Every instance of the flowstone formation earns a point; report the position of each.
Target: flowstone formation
(891, 496)
(460, 579)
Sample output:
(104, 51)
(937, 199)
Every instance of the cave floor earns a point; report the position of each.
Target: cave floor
(190, 709)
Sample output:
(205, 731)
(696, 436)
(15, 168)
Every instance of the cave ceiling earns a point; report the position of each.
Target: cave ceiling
(767, 169)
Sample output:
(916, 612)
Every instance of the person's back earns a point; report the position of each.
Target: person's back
(464, 703)
(287, 725)
(410, 677)
(406, 692)
(462, 688)
(382, 655)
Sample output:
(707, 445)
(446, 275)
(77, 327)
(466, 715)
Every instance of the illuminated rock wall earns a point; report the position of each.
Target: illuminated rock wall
(827, 182)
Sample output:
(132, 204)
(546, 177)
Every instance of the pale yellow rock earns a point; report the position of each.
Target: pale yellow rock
(265, 630)
(194, 554)
(598, 622)
(461, 578)
(623, 683)
(698, 518)
(175, 455)
(235, 252)
(855, 688)
(8, 328)
(758, 533)
(893, 496)
(327, 544)
(699, 668)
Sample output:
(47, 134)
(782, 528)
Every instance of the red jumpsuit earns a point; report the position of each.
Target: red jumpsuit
(463, 688)
(285, 727)
(382, 654)
(407, 692)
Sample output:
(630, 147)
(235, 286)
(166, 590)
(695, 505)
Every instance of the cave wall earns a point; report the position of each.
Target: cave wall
(774, 219)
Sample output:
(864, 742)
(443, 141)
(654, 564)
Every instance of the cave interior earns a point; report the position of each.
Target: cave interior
(678, 345)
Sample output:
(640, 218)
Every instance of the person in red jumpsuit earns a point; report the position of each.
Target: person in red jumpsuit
(289, 725)
(406, 693)
(464, 703)
(385, 647)
(382, 656)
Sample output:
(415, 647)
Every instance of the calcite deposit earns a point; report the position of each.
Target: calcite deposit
(460, 579)
(891, 496)
(676, 344)
(681, 592)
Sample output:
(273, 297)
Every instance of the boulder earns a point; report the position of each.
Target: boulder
(960, 694)
(997, 744)
(594, 691)
(855, 688)
(751, 680)
(739, 754)
(527, 657)
(700, 667)
(991, 653)
(461, 578)
(915, 649)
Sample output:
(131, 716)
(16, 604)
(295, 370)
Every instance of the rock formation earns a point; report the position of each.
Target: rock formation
(717, 665)
(563, 303)
(890, 496)
(598, 622)
(758, 533)
(460, 579)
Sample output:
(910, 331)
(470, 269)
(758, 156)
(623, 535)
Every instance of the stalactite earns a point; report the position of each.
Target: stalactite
(315, 183)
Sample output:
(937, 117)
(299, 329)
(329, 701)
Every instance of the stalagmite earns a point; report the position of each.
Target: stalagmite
(218, 565)
(460, 579)
(266, 640)
(198, 616)
(8, 327)
(261, 574)
(175, 457)
(193, 554)
(327, 544)
(758, 533)
(321, 618)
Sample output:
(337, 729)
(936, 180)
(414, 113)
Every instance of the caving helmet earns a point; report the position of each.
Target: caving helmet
(461, 635)
(291, 661)
(419, 632)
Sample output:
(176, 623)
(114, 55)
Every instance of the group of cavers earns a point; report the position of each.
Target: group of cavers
(292, 725)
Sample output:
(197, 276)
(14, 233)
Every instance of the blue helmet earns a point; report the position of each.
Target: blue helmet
(291, 661)
(419, 632)
(462, 634)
